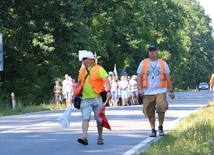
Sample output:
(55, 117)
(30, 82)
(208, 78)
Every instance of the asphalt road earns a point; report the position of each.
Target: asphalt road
(40, 134)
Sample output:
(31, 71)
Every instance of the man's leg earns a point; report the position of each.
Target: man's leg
(162, 106)
(100, 134)
(100, 130)
(84, 140)
(161, 116)
(149, 111)
(85, 125)
(152, 125)
(152, 122)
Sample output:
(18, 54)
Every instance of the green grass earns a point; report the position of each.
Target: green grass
(6, 109)
(194, 135)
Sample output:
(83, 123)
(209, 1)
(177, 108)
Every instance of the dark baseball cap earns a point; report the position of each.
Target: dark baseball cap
(153, 47)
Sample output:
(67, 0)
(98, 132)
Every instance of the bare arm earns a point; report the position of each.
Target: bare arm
(74, 95)
(108, 87)
(77, 84)
(170, 86)
(139, 81)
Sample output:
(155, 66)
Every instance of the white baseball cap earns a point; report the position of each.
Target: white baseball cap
(88, 55)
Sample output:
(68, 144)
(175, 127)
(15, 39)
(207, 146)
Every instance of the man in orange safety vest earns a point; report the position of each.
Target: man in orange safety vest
(153, 82)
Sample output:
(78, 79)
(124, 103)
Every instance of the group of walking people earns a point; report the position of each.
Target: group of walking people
(124, 91)
(64, 90)
(152, 83)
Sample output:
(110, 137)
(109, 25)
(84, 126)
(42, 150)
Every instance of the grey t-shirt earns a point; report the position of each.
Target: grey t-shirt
(153, 86)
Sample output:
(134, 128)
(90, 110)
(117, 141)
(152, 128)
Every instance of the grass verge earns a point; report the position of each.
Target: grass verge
(194, 135)
(6, 110)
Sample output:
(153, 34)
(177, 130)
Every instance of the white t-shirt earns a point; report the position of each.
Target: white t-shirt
(153, 85)
(67, 86)
(114, 86)
(133, 85)
(123, 84)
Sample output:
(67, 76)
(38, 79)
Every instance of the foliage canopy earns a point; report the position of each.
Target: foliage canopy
(42, 39)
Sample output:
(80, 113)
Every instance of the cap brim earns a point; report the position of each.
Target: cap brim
(87, 58)
(152, 48)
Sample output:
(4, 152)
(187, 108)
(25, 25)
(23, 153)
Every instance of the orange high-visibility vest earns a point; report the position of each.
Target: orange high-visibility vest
(212, 80)
(144, 77)
(95, 82)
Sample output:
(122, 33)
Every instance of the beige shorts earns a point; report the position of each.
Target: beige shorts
(152, 103)
(89, 105)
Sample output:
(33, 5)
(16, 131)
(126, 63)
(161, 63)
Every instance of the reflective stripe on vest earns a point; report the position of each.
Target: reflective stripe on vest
(144, 77)
(96, 83)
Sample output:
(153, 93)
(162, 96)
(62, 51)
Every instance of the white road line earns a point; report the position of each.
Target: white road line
(23, 127)
(144, 144)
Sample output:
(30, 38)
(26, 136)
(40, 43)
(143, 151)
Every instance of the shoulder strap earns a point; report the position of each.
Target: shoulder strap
(88, 71)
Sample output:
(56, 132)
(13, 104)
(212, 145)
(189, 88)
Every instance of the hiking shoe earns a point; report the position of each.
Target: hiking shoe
(100, 141)
(153, 133)
(160, 130)
(83, 141)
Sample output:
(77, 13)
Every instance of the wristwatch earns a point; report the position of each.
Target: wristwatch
(108, 91)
